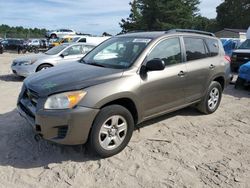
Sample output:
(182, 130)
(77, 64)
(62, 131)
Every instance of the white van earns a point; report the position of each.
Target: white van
(90, 39)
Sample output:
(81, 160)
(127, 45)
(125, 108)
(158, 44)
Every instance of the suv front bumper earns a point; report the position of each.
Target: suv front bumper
(69, 127)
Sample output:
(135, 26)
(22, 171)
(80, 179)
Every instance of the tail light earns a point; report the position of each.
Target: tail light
(227, 58)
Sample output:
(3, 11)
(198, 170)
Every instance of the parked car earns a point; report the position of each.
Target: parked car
(59, 41)
(60, 33)
(34, 42)
(65, 53)
(44, 43)
(36, 45)
(240, 56)
(230, 44)
(243, 79)
(122, 82)
(16, 45)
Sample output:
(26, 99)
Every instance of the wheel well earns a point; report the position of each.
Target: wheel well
(53, 34)
(42, 65)
(221, 81)
(128, 104)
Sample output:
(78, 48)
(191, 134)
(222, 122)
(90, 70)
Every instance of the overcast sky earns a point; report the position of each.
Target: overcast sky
(89, 16)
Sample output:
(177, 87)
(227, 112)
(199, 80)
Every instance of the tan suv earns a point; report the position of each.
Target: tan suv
(127, 79)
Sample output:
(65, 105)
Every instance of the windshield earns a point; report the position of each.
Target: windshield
(58, 40)
(56, 50)
(117, 52)
(75, 39)
(245, 44)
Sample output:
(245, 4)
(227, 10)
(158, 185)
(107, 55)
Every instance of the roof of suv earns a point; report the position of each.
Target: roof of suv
(150, 34)
(156, 34)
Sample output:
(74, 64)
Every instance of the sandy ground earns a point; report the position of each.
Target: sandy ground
(182, 149)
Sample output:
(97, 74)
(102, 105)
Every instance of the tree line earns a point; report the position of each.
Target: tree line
(151, 15)
(20, 32)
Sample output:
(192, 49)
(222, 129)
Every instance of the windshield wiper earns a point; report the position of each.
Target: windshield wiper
(95, 64)
(82, 61)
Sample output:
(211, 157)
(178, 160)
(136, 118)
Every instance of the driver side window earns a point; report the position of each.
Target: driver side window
(168, 50)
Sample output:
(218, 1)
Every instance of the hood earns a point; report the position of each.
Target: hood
(32, 57)
(72, 76)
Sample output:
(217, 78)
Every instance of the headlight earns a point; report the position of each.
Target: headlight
(64, 100)
(28, 62)
(25, 63)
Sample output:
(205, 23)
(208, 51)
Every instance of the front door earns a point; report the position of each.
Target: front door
(164, 90)
(71, 54)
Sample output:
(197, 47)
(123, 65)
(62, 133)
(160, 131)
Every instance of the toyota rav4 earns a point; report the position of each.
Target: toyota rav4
(124, 81)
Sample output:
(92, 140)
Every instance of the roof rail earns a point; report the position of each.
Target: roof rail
(190, 31)
(135, 31)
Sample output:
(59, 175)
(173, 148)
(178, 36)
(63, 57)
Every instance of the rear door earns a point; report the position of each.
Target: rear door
(199, 67)
(164, 90)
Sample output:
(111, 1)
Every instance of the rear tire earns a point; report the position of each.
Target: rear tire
(211, 101)
(36, 50)
(111, 131)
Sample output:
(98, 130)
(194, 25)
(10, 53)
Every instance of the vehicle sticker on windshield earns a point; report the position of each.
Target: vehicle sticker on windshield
(142, 40)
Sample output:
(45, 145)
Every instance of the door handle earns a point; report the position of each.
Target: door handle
(211, 66)
(181, 73)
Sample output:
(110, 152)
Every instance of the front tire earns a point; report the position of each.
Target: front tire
(43, 67)
(112, 130)
(211, 101)
(53, 36)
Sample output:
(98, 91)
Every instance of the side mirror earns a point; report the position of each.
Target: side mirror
(64, 54)
(155, 65)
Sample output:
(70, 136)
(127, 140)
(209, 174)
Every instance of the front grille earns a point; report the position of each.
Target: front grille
(62, 131)
(26, 110)
(31, 95)
(28, 102)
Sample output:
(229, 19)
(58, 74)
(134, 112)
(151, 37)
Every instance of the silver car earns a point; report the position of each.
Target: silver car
(65, 53)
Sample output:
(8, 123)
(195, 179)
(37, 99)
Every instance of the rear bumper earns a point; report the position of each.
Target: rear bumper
(69, 127)
(235, 65)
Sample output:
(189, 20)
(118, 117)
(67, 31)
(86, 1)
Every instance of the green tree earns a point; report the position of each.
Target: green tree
(203, 23)
(234, 14)
(133, 22)
(160, 15)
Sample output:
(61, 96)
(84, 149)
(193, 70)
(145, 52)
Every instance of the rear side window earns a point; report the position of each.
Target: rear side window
(195, 48)
(213, 47)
